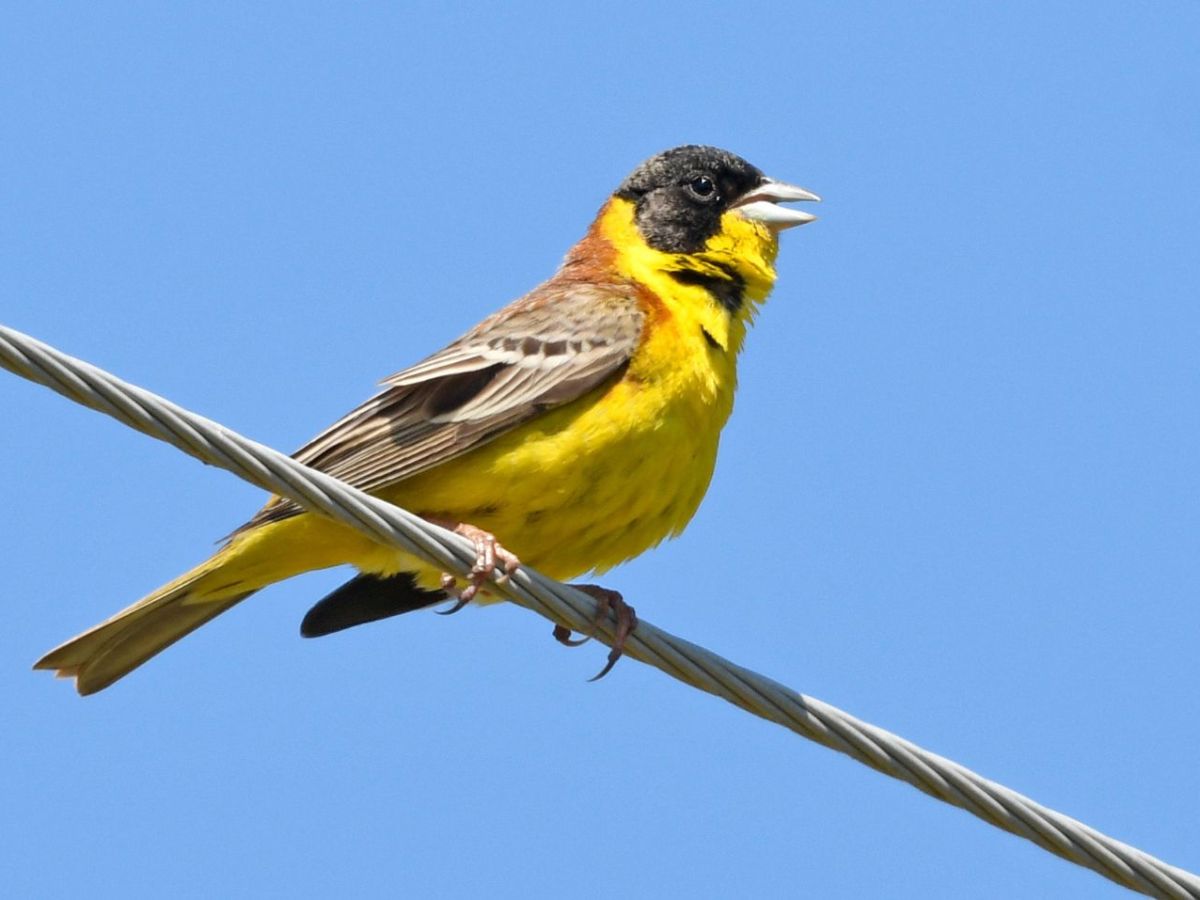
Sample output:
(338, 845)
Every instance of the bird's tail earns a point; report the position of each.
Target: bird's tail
(117, 646)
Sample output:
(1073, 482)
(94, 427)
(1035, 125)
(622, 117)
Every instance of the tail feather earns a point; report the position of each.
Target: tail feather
(367, 598)
(117, 646)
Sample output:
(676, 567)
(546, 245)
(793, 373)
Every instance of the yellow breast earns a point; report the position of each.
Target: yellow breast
(596, 482)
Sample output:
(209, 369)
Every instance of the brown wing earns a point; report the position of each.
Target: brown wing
(547, 349)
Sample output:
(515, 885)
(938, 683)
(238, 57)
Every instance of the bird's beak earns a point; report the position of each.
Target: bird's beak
(761, 205)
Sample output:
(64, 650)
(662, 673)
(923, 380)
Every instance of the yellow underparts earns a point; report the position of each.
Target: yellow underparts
(598, 481)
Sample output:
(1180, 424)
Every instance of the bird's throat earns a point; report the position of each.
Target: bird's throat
(720, 285)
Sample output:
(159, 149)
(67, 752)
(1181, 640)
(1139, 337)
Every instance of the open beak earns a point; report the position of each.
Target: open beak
(761, 205)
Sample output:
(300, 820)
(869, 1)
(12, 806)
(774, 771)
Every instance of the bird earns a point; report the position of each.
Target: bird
(570, 431)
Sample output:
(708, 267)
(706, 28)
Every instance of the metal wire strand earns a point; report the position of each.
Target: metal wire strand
(693, 665)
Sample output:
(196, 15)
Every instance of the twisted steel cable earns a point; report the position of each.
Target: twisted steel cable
(273, 471)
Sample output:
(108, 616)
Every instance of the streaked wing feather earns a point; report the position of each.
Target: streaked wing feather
(546, 350)
(451, 361)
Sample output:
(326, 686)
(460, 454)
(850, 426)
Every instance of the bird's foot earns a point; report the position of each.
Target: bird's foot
(489, 553)
(562, 634)
(608, 602)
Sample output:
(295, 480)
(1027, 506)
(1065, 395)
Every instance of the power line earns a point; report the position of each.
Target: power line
(939, 777)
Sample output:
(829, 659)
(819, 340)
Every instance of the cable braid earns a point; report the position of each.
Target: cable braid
(885, 752)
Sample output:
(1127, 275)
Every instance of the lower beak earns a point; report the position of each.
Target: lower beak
(761, 205)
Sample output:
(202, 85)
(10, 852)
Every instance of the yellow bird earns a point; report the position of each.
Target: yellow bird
(579, 424)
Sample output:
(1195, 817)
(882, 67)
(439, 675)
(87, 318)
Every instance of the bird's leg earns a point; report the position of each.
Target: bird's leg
(488, 553)
(608, 602)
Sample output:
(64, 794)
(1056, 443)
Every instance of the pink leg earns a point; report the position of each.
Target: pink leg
(489, 553)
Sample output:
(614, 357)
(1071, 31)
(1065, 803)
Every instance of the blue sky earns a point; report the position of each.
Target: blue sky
(958, 496)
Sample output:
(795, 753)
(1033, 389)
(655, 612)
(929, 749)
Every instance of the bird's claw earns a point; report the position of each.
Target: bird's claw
(607, 602)
(562, 634)
(489, 553)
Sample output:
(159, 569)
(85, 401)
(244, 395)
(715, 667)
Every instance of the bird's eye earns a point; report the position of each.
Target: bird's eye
(702, 186)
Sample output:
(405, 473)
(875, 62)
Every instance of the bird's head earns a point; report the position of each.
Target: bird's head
(685, 196)
(704, 211)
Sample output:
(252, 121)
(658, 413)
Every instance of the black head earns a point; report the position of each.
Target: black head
(681, 194)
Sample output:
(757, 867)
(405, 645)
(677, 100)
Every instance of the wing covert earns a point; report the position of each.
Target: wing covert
(547, 349)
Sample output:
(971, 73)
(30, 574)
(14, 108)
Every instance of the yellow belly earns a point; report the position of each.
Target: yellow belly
(600, 480)
(578, 489)
(582, 489)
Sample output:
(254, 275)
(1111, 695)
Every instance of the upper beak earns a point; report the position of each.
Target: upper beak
(760, 205)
